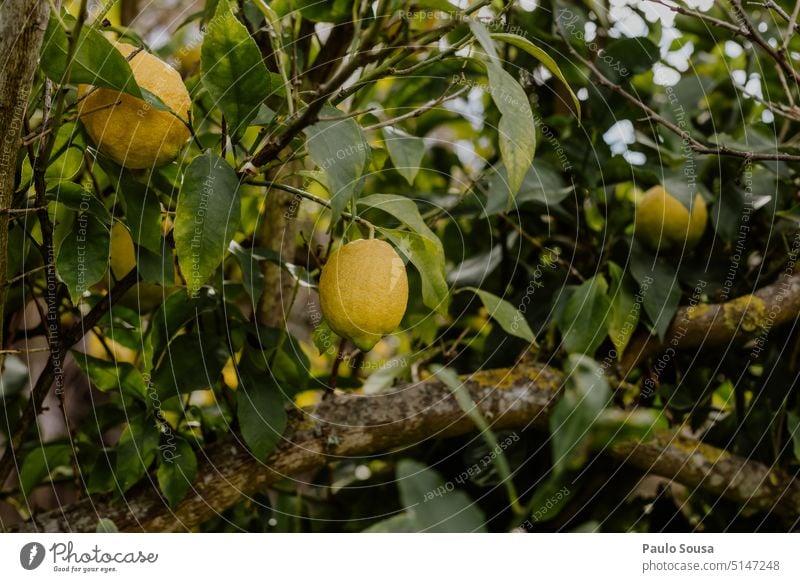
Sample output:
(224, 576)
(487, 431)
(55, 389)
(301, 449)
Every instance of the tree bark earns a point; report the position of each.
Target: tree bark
(22, 26)
(278, 231)
(750, 317)
(364, 425)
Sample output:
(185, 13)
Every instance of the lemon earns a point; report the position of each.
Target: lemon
(363, 291)
(127, 129)
(663, 222)
(143, 297)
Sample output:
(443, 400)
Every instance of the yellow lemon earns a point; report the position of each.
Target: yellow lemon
(130, 131)
(363, 291)
(143, 297)
(663, 222)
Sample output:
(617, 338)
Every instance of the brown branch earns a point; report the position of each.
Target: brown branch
(694, 144)
(750, 317)
(362, 425)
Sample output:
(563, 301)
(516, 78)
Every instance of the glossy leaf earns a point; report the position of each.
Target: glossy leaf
(582, 321)
(424, 255)
(449, 512)
(340, 150)
(233, 70)
(207, 217)
(505, 314)
(262, 418)
(136, 451)
(96, 61)
(406, 152)
(83, 255)
(177, 470)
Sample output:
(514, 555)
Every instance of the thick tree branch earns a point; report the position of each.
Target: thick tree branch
(367, 425)
(750, 317)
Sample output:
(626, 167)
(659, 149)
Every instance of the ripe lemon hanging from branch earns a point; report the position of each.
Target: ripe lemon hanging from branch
(363, 291)
(127, 129)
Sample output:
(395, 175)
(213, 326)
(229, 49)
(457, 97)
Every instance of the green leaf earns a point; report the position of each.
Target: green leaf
(542, 185)
(207, 217)
(77, 198)
(625, 57)
(136, 450)
(83, 255)
(190, 362)
(340, 150)
(171, 316)
(40, 463)
(259, 408)
(508, 316)
(177, 470)
(425, 256)
(95, 62)
(585, 397)
(250, 260)
(484, 38)
(233, 70)
(658, 287)
(432, 505)
(324, 338)
(624, 315)
(516, 130)
(582, 321)
(542, 56)
(468, 405)
(406, 152)
(404, 210)
(108, 376)
(142, 212)
(105, 525)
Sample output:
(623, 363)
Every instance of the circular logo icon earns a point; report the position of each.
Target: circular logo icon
(31, 555)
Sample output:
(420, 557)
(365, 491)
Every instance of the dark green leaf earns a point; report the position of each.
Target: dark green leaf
(177, 470)
(585, 397)
(190, 362)
(340, 150)
(582, 321)
(77, 198)
(259, 408)
(96, 61)
(508, 316)
(658, 287)
(107, 376)
(406, 152)
(40, 462)
(233, 70)
(142, 212)
(624, 309)
(136, 450)
(432, 505)
(83, 255)
(207, 217)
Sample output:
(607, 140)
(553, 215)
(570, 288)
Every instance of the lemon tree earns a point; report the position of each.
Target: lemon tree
(398, 266)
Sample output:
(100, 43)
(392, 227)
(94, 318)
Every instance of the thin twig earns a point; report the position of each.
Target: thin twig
(419, 110)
